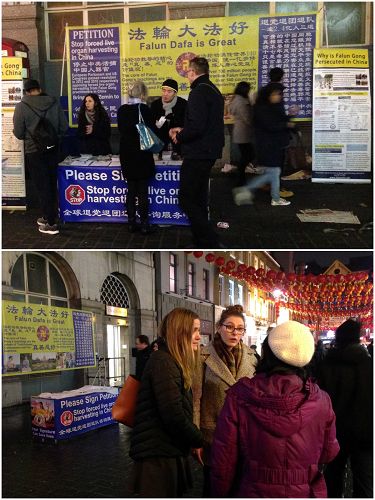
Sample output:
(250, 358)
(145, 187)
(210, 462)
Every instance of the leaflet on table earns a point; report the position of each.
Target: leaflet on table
(87, 389)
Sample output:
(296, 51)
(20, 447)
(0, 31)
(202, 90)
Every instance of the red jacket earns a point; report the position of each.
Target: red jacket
(271, 437)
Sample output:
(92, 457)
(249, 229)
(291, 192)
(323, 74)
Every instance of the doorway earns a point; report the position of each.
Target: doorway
(116, 362)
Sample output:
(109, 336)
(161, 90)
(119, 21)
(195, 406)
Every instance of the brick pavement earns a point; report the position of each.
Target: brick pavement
(94, 465)
(256, 226)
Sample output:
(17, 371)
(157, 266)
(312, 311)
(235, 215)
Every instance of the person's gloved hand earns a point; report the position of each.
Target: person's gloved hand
(159, 123)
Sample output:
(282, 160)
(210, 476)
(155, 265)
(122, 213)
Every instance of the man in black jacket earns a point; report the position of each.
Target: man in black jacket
(202, 139)
(42, 165)
(169, 112)
(142, 344)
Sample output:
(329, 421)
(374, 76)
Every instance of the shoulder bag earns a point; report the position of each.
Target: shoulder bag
(123, 409)
(148, 140)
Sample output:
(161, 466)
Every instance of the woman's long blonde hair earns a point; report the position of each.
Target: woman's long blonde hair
(176, 328)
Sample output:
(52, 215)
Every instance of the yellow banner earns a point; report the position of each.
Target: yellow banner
(341, 58)
(154, 51)
(11, 68)
(39, 338)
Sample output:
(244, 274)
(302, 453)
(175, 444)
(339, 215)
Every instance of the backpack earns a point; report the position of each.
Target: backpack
(44, 134)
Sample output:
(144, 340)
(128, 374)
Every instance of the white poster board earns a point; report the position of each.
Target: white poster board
(341, 116)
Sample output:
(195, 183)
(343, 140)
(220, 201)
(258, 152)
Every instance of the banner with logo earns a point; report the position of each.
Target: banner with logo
(341, 116)
(38, 338)
(69, 414)
(90, 193)
(238, 48)
(12, 157)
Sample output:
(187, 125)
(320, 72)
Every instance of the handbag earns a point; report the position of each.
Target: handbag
(123, 409)
(148, 140)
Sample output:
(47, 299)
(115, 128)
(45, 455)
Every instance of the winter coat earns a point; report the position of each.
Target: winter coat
(347, 375)
(174, 119)
(135, 164)
(242, 112)
(143, 355)
(164, 414)
(25, 120)
(210, 385)
(98, 142)
(271, 437)
(203, 134)
(271, 134)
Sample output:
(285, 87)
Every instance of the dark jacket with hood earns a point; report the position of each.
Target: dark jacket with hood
(271, 437)
(271, 134)
(24, 119)
(202, 137)
(163, 424)
(347, 375)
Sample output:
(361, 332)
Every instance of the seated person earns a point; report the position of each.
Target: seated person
(168, 112)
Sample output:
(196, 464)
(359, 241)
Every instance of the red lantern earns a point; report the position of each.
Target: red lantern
(219, 261)
(250, 270)
(291, 277)
(271, 275)
(322, 279)
(210, 257)
(231, 264)
(241, 268)
(301, 278)
(197, 255)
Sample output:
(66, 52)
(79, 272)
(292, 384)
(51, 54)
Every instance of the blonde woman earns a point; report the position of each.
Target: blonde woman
(138, 167)
(164, 432)
(224, 361)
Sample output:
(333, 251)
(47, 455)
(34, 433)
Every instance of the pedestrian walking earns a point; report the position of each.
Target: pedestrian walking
(242, 112)
(164, 432)
(169, 112)
(138, 167)
(224, 361)
(346, 373)
(202, 140)
(41, 161)
(94, 127)
(271, 138)
(144, 351)
(276, 430)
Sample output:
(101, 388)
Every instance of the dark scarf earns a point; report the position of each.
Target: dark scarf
(231, 358)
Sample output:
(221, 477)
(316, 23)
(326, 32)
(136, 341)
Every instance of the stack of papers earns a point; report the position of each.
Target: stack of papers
(327, 215)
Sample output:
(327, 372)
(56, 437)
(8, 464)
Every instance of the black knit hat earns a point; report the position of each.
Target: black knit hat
(170, 84)
(348, 332)
(31, 84)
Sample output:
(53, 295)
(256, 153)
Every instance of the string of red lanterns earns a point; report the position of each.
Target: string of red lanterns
(316, 297)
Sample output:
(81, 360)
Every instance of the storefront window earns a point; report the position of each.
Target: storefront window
(143, 14)
(108, 16)
(191, 279)
(173, 272)
(113, 293)
(37, 273)
(288, 7)
(56, 25)
(248, 8)
(231, 292)
(345, 23)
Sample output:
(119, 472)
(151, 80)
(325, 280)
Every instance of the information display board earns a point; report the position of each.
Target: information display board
(238, 48)
(39, 338)
(71, 413)
(89, 192)
(12, 154)
(341, 116)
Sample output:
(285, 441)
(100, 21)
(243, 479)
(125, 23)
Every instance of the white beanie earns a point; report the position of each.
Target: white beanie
(292, 343)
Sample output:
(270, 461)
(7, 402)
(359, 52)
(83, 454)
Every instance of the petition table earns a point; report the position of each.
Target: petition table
(67, 414)
(93, 190)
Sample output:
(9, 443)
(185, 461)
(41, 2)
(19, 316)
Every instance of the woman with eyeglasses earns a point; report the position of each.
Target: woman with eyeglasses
(224, 361)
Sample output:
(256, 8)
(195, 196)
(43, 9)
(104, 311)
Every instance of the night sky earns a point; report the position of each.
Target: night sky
(322, 258)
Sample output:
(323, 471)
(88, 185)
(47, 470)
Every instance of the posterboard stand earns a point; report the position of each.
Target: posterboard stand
(60, 416)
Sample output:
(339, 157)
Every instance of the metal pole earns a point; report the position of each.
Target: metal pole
(63, 61)
(325, 24)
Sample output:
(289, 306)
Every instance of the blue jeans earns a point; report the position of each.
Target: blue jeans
(271, 176)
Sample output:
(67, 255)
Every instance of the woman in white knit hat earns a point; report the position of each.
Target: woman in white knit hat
(276, 430)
